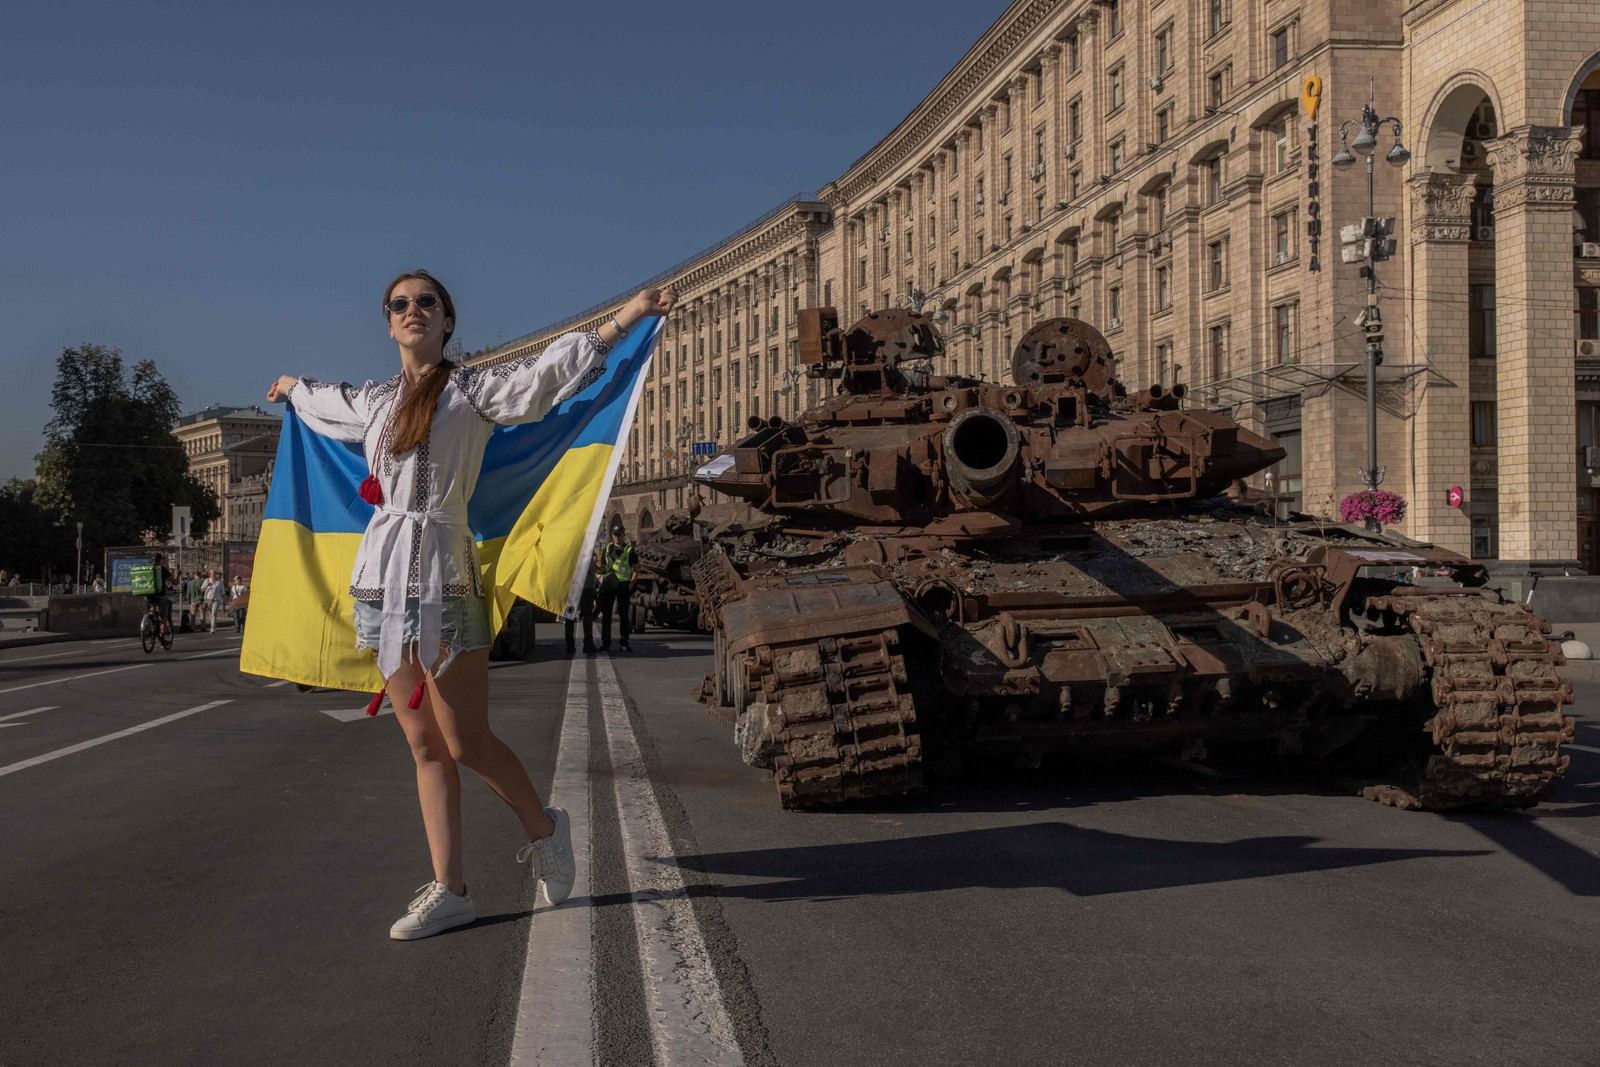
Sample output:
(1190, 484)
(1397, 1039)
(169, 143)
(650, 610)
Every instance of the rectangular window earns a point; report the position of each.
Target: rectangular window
(1219, 353)
(1163, 288)
(1005, 172)
(1116, 155)
(1114, 89)
(1074, 54)
(1075, 121)
(1114, 305)
(1279, 134)
(1113, 17)
(1281, 225)
(1480, 321)
(827, 293)
(1038, 207)
(1214, 90)
(1038, 146)
(861, 275)
(755, 320)
(1214, 179)
(1216, 22)
(1163, 367)
(1217, 260)
(1483, 537)
(1163, 50)
(1008, 228)
(955, 211)
(1075, 183)
(1163, 125)
(977, 138)
(1158, 209)
(1113, 233)
(1280, 48)
(1282, 335)
(1588, 312)
(1287, 471)
(1483, 424)
(955, 163)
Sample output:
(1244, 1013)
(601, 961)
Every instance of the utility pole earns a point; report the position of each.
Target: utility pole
(1370, 240)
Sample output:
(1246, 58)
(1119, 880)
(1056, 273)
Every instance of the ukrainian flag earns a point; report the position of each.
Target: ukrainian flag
(538, 505)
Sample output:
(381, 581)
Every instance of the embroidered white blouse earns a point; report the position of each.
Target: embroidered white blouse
(418, 543)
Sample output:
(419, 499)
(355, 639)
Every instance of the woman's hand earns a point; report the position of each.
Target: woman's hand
(279, 390)
(650, 303)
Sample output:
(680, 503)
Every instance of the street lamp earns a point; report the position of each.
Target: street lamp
(1375, 239)
(916, 298)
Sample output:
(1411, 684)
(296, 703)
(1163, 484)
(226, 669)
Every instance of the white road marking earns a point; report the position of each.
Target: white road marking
(72, 678)
(1580, 748)
(80, 746)
(555, 1011)
(689, 1022)
(30, 711)
(274, 685)
(346, 715)
(85, 649)
(203, 655)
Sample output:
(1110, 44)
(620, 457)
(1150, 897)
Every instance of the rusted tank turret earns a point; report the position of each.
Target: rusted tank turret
(945, 566)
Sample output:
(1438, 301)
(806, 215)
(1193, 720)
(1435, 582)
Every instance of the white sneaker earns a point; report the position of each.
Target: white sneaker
(553, 862)
(434, 912)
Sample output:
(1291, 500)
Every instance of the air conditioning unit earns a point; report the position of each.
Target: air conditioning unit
(908, 255)
(1062, 203)
(1280, 259)
(1037, 171)
(1153, 245)
(1485, 233)
(1069, 152)
(1003, 195)
(1155, 83)
(1469, 150)
(1588, 349)
(1115, 324)
(1589, 250)
(1026, 226)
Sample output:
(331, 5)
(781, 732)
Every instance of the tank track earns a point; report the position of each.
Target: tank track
(841, 717)
(1498, 722)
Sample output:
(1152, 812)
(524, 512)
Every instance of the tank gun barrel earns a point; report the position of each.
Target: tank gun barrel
(981, 446)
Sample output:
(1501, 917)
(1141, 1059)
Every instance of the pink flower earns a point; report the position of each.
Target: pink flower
(1386, 508)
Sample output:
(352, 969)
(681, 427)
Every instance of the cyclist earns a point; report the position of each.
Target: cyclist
(161, 600)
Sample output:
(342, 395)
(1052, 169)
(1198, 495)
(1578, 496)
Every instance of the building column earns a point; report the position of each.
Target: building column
(1441, 225)
(1533, 200)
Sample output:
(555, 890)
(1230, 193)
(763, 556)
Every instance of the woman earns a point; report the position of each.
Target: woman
(419, 601)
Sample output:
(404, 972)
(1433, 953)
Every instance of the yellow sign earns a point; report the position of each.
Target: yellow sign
(1311, 95)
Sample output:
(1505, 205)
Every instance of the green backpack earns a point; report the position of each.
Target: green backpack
(146, 579)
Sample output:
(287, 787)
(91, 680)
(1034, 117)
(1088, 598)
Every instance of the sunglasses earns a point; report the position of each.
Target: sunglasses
(425, 302)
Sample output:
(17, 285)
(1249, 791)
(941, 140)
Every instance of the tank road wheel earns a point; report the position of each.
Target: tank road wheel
(841, 719)
(1498, 725)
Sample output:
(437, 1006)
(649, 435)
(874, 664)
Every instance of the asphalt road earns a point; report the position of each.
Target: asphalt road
(216, 888)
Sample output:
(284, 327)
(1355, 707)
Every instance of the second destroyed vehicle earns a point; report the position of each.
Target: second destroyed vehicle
(945, 567)
(663, 582)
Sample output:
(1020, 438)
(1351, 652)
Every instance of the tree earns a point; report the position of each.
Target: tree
(32, 542)
(110, 460)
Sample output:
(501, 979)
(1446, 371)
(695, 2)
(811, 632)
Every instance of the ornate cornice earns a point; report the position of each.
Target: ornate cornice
(938, 106)
(1534, 165)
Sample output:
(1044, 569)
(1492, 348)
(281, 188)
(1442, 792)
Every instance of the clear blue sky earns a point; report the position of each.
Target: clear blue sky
(226, 189)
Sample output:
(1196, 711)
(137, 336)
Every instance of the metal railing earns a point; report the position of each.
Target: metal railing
(667, 275)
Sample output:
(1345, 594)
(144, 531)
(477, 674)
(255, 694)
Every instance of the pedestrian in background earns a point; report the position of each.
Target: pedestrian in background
(586, 605)
(216, 591)
(194, 596)
(617, 561)
(236, 602)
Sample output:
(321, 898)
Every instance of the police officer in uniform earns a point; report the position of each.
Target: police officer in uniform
(617, 560)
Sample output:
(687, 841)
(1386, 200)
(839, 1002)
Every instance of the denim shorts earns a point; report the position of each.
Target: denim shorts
(463, 625)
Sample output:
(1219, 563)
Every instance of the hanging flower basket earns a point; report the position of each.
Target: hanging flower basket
(1373, 506)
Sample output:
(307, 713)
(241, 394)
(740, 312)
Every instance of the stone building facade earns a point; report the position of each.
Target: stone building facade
(231, 450)
(1164, 170)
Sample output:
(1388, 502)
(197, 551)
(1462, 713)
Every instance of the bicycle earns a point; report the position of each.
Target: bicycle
(154, 627)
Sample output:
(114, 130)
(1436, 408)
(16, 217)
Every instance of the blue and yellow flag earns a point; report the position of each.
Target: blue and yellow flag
(537, 507)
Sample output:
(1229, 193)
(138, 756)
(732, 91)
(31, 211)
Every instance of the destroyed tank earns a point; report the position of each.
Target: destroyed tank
(663, 580)
(945, 568)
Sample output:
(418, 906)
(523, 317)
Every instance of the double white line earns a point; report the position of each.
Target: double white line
(556, 1023)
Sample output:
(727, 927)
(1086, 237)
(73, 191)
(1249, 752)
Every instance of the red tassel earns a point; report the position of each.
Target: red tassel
(377, 702)
(416, 698)
(370, 491)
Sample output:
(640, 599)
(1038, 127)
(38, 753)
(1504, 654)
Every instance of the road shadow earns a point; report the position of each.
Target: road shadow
(1040, 855)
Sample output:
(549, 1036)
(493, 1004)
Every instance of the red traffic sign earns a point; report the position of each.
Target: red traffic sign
(1454, 496)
